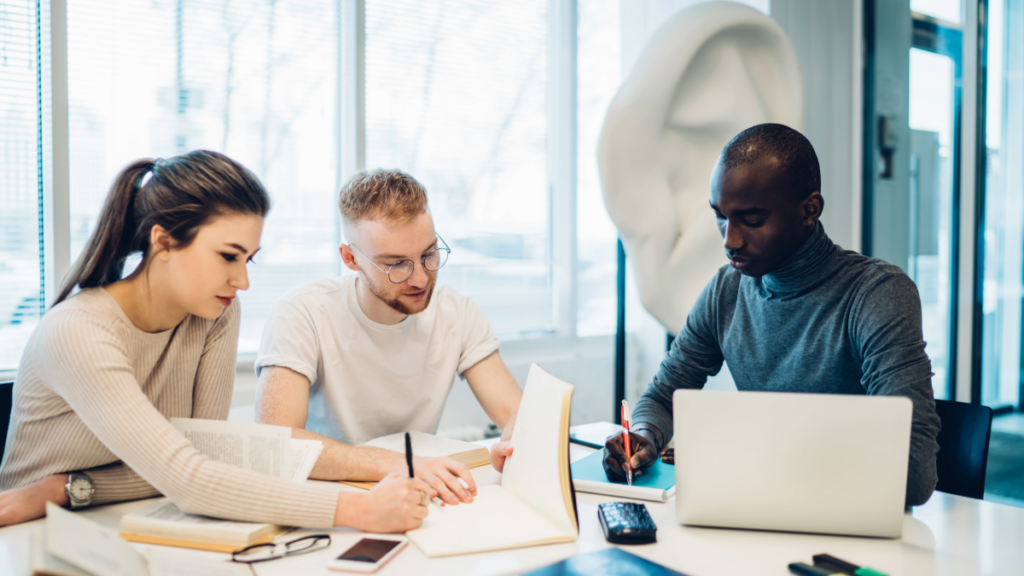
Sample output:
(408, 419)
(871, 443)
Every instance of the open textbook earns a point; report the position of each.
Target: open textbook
(429, 446)
(257, 447)
(535, 503)
(165, 524)
(263, 448)
(69, 544)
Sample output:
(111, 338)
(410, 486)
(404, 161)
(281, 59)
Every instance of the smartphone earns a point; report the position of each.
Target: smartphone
(368, 554)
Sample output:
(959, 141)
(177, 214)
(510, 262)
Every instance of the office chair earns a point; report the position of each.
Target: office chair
(963, 447)
(6, 403)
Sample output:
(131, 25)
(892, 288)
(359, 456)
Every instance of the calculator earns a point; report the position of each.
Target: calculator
(626, 523)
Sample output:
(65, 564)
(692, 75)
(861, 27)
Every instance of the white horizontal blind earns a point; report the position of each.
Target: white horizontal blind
(254, 79)
(456, 95)
(21, 242)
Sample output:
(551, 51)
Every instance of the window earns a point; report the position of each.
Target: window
(21, 216)
(456, 95)
(255, 80)
(599, 68)
(1004, 207)
(457, 92)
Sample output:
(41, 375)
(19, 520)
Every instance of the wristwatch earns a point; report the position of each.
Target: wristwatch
(79, 489)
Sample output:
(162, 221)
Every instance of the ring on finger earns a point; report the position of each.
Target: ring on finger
(424, 499)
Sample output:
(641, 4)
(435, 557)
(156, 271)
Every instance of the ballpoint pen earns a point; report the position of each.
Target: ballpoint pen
(408, 459)
(626, 417)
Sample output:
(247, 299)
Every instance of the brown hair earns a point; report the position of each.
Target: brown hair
(182, 194)
(382, 194)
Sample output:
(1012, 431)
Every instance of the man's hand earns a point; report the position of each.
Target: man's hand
(642, 449)
(394, 505)
(500, 451)
(29, 502)
(442, 474)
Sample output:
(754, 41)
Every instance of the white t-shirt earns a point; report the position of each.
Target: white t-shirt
(367, 379)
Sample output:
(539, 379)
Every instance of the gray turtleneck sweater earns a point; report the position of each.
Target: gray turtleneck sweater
(828, 320)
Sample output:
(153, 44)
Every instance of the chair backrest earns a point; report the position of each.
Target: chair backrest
(6, 403)
(963, 447)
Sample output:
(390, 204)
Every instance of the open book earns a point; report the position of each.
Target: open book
(263, 448)
(165, 524)
(70, 544)
(429, 446)
(256, 447)
(535, 503)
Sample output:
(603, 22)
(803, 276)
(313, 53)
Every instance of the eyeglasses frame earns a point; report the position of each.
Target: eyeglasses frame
(316, 538)
(422, 261)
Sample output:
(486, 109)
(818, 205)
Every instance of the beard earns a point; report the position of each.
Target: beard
(395, 303)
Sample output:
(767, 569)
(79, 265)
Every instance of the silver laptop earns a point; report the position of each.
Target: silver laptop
(823, 463)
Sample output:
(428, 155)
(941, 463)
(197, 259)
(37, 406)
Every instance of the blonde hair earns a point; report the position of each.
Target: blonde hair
(382, 194)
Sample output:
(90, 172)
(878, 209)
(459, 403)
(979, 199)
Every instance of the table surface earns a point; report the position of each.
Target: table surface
(949, 535)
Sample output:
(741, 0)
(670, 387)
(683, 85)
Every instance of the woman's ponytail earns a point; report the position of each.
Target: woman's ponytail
(102, 260)
(182, 194)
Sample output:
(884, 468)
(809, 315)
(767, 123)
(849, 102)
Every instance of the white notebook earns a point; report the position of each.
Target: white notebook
(535, 503)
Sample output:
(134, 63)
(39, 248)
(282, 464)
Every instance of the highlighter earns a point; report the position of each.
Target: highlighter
(835, 564)
(806, 570)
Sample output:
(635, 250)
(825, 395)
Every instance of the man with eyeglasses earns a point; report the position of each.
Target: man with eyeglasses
(345, 360)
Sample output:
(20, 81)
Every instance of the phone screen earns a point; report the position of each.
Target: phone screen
(369, 550)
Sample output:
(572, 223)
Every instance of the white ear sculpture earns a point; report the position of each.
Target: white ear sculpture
(708, 73)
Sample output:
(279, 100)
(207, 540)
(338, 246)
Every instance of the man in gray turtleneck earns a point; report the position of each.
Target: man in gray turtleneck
(792, 311)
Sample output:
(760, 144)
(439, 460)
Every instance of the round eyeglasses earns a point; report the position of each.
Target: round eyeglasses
(275, 550)
(401, 271)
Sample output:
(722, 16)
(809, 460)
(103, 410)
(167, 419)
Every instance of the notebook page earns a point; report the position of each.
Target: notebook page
(495, 520)
(532, 472)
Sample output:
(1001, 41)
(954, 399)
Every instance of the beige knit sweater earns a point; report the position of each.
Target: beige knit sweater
(95, 393)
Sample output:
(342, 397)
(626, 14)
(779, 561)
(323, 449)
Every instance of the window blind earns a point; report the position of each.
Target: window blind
(21, 241)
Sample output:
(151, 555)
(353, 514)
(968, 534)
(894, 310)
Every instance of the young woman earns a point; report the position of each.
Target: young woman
(108, 367)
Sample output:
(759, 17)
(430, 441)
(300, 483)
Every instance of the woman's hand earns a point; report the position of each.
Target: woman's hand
(29, 502)
(394, 505)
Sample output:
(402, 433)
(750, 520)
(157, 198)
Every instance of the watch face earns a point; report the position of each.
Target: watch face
(81, 489)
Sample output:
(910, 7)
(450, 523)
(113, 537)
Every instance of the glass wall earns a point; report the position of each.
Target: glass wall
(21, 216)
(1004, 206)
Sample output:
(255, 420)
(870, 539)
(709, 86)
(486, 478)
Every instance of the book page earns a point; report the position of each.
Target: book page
(87, 545)
(257, 447)
(302, 458)
(426, 445)
(495, 520)
(533, 471)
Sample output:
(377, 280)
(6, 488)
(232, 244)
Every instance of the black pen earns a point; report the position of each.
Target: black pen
(408, 454)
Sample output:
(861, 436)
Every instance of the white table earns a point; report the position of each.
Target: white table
(949, 535)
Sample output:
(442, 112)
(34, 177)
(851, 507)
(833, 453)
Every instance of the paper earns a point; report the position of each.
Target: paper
(304, 454)
(495, 520)
(85, 544)
(534, 504)
(534, 470)
(168, 562)
(426, 445)
(257, 447)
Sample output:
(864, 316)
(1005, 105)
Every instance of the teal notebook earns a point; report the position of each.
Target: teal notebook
(658, 482)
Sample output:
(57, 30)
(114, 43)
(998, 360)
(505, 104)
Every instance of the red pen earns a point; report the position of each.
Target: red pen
(626, 417)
